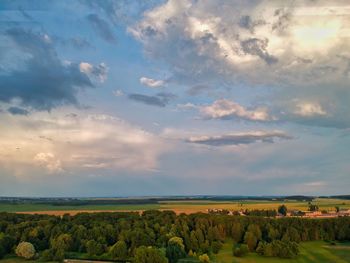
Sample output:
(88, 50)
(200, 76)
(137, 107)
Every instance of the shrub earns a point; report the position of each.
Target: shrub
(204, 258)
(216, 246)
(25, 250)
(241, 251)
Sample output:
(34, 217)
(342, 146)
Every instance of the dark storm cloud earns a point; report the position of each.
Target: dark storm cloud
(149, 100)
(102, 28)
(42, 82)
(248, 23)
(160, 100)
(237, 139)
(257, 47)
(17, 111)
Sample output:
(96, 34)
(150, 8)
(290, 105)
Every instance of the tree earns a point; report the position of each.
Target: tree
(204, 258)
(237, 231)
(216, 246)
(175, 249)
(62, 242)
(2, 251)
(240, 251)
(94, 248)
(25, 250)
(313, 207)
(60, 245)
(149, 255)
(119, 250)
(282, 209)
(251, 240)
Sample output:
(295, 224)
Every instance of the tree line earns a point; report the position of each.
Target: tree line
(156, 236)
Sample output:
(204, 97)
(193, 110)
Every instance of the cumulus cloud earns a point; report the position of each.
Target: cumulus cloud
(152, 83)
(226, 109)
(40, 80)
(309, 109)
(49, 161)
(102, 28)
(100, 71)
(68, 143)
(245, 42)
(239, 138)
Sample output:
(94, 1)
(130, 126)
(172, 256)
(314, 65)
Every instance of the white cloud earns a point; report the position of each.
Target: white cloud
(223, 108)
(100, 71)
(239, 42)
(186, 106)
(49, 161)
(152, 83)
(309, 109)
(71, 142)
(118, 93)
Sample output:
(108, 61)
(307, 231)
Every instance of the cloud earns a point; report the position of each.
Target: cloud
(257, 47)
(102, 28)
(226, 109)
(152, 83)
(100, 71)
(39, 80)
(243, 44)
(17, 111)
(198, 89)
(160, 100)
(49, 161)
(239, 138)
(118, 93)
(70, 143)
(121, 11)
(309, 109)
(186, 106)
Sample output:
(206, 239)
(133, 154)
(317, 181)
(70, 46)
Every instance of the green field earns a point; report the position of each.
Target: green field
(48, 207)
(180, 206)
(310, 252)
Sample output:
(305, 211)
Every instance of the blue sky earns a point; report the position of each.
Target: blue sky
(117, 97)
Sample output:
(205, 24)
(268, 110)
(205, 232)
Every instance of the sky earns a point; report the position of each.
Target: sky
(174, 97)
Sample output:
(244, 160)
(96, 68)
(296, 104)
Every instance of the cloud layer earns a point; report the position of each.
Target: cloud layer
(242, 41)
(240, 138)
(40, 80)
(71, 143)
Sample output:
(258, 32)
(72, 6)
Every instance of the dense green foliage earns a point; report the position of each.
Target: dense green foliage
(25, 250)
(282, 210)
(160, 234)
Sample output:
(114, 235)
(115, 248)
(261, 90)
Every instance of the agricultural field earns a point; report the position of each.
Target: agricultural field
(181, 206)
(202, 206)
(310, 252)
(52, 209)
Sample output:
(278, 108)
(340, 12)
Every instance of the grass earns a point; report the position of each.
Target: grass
(190, 206)
(48, 207)
(14, 259)
(327, 204)
(310, 252)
